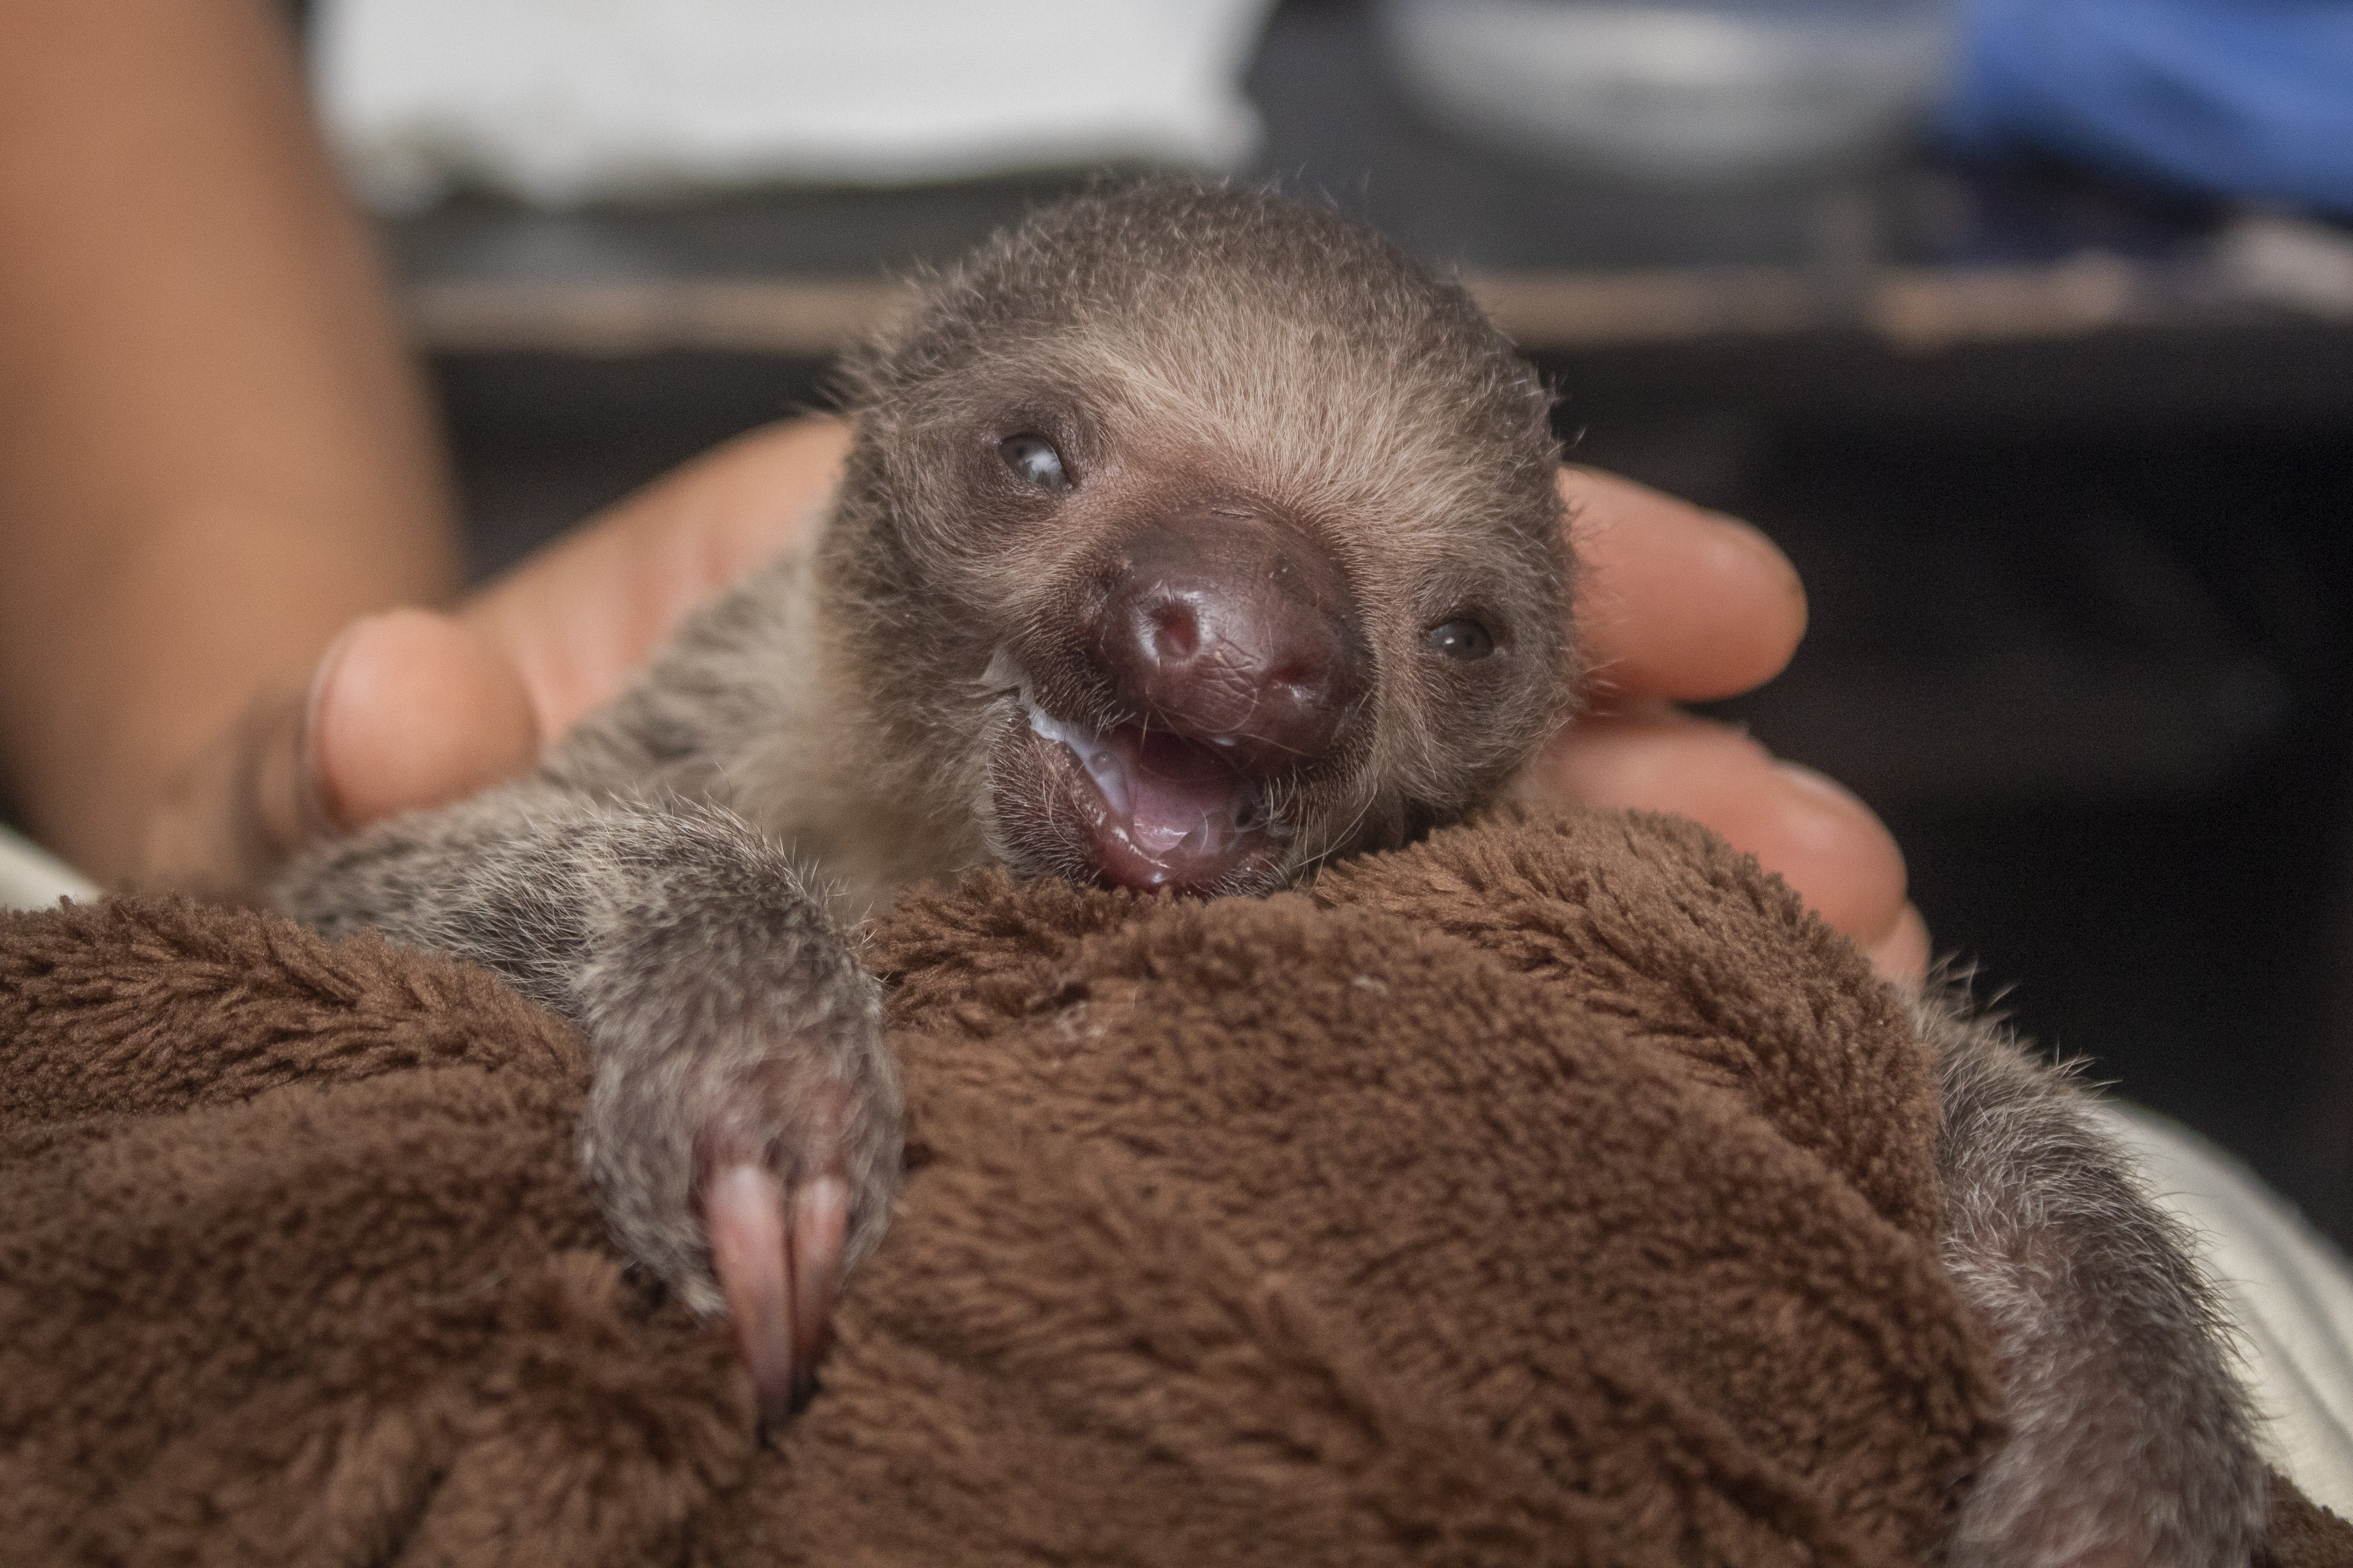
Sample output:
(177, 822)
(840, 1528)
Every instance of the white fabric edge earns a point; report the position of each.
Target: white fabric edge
(33, 878)
(2288, 1289)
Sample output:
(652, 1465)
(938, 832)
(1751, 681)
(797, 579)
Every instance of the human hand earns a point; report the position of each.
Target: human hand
(1679, 605)
(414, 708)
(411, 709)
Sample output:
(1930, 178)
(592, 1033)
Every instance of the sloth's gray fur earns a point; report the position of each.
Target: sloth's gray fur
(2131, 1439)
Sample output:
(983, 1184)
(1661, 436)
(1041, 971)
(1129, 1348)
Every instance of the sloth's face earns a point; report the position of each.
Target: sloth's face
(1203, 679)
(1205, 657)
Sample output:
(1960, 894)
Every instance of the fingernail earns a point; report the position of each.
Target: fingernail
(1756, 541)
(1902, 955)
(1820, 785)
(321, 808)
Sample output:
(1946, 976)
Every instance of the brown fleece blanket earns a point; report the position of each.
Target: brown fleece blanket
(1556, 1192)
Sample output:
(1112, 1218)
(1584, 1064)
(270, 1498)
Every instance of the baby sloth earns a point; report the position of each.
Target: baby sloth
(1191, 537)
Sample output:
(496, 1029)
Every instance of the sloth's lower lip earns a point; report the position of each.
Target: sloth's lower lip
(1160, 810)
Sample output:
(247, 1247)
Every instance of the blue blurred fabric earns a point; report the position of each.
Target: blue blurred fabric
(2250, 98)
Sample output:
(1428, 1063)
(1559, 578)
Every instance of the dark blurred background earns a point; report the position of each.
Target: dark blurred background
(2066, 462)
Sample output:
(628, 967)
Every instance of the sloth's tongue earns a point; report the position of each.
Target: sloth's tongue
(1176, 789)
(1175, 809)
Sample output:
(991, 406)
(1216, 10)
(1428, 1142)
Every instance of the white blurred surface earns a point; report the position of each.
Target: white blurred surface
(32, 878)
(2290, 1290)
(562, 102)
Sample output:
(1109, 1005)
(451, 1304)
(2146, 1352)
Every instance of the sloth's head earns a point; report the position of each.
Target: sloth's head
(1201, 536)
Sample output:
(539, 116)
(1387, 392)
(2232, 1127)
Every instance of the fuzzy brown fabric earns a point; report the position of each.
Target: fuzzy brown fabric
(2304, 1534)
(1556, 1192)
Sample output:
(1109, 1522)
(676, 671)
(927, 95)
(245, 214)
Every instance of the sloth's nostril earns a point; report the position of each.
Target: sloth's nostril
(1233, 632)
(1297, 676)
(1175, 631)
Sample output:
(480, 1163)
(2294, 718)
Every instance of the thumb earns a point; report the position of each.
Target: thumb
(406, 710)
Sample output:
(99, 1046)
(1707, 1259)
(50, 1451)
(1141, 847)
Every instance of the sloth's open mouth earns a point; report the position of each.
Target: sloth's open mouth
(1136, 807)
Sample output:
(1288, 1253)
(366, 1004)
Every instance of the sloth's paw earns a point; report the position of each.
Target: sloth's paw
(744, 1139)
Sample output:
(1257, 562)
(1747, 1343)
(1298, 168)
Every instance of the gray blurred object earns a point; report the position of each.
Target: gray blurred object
(563, 102)
(1676, 91)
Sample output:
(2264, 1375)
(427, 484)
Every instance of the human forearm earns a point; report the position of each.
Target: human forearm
(213, 451)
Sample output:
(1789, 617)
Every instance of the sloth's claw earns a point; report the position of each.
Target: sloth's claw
(820, 1229)
(776, 1246)
(744, 1212)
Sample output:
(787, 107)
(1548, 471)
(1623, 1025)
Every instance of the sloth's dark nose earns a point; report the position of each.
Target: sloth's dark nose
(1235, 630)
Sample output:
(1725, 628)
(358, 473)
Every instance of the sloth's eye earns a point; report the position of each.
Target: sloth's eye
(1034, 461)
(1462, 639)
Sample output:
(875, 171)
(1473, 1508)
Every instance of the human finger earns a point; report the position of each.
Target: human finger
(406, 710)
(1674, 601)
(1902, 955)
(409, 710)
(414, 708)
(1826, 844)
(577, 616)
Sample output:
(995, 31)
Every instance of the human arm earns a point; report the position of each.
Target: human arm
(214, 450)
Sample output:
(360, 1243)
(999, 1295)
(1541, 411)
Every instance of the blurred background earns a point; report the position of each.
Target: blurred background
(2025, 326)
